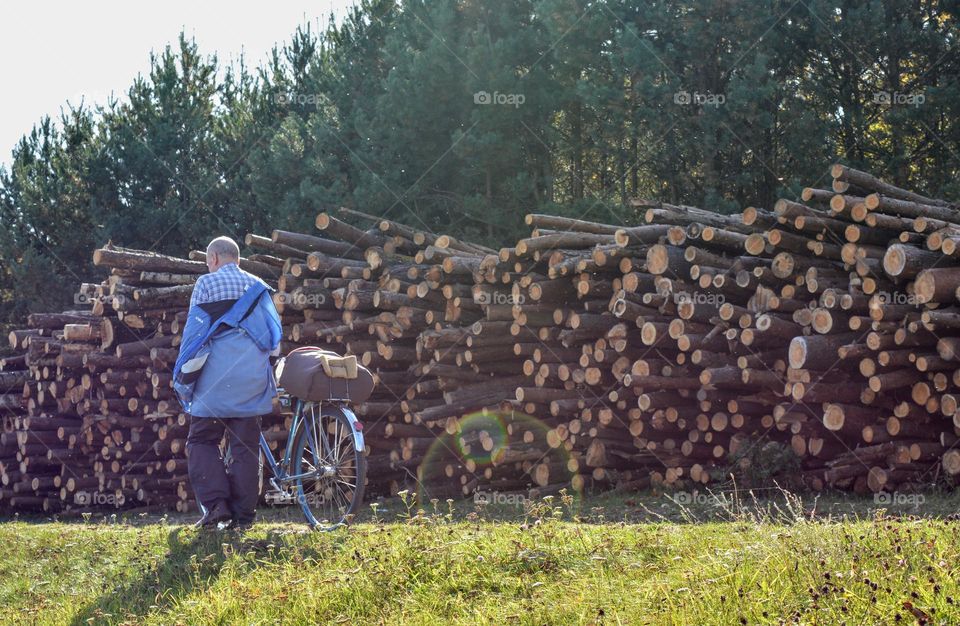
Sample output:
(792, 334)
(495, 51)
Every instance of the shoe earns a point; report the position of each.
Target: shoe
(239, 527)
(219, 513)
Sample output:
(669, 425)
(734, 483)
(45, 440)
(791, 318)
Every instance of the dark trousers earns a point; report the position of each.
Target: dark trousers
(212, 482)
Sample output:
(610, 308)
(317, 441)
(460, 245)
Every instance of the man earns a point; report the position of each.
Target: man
(225, 382)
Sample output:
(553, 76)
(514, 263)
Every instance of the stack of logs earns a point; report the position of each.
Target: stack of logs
(587, 355)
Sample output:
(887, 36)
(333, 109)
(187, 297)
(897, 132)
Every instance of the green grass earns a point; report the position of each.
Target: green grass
(610, 560)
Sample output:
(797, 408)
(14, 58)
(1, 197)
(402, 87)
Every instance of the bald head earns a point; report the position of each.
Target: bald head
(222, 251)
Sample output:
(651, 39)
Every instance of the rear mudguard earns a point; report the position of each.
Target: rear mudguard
(356, 428)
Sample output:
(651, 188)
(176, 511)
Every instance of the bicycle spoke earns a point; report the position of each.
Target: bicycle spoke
(315, 431)
(339, 429)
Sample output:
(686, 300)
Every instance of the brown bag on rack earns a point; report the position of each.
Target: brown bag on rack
(315, 374)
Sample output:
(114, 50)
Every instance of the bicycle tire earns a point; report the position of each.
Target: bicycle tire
(323, 503)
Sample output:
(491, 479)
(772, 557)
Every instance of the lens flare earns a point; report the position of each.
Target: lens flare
(485, 453)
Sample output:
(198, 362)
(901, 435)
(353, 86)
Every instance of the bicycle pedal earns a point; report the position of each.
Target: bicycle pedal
(279, 498)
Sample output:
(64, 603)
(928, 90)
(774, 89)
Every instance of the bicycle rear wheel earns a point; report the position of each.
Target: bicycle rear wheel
(333, 470)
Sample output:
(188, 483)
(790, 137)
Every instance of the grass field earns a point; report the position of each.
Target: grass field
(606, 560)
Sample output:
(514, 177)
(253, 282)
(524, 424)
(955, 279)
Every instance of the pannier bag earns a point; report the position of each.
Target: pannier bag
(315, 374)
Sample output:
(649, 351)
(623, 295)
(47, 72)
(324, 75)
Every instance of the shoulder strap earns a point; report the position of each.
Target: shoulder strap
(243, 305)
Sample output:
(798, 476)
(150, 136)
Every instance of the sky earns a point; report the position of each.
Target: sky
(55, 52)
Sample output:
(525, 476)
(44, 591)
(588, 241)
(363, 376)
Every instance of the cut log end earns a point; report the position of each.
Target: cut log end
(797, 352)
(951, 462)
(894, 261)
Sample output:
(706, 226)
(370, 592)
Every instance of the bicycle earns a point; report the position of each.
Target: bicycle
(323, 467)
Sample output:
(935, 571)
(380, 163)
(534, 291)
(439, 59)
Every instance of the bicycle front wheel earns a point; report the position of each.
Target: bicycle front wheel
(332, 470)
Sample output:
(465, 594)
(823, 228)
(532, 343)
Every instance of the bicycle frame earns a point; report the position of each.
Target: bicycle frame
(280, 470)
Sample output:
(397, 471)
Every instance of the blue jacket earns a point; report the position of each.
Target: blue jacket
(236, 379)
